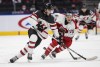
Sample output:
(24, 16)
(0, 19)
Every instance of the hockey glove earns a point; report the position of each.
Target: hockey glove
(60, 40)
(40, 26)
(62, 29)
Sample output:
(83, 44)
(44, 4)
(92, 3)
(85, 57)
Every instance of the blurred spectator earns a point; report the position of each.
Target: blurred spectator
(0, 1)
(6, 2)
(64, 10)
(32, 9)
(28, 3)
(24, 9)
(25, 1)
(16, 1)
(56, 10)
(46, 1)
(78, 3)
(38, 4)
(74, 9)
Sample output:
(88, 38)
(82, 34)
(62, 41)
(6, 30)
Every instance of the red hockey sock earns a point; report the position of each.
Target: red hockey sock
(48, 50)
(59, 49)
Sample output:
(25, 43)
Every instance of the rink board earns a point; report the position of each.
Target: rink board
(24, 33)
(13, 33)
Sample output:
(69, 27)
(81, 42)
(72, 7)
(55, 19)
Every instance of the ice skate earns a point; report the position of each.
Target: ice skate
(86, 35)
(43, 56)
(53, 55)
(29, 57)
(77, 38)
(12, 60)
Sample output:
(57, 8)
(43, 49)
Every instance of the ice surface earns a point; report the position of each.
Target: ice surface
(11, 45)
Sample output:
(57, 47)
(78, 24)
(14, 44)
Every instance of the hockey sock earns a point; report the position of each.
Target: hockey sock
(23, 51)
(50, 48)
(59, 49)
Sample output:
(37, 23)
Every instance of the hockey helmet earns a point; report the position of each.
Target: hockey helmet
(48, 6)
(68, 14)
(84, 6)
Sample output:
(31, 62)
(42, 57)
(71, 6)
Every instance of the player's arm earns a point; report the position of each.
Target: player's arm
(32, 19)
(53, 26)
(35, 21)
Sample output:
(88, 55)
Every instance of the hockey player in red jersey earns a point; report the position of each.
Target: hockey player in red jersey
(66, 31)
(40, 21)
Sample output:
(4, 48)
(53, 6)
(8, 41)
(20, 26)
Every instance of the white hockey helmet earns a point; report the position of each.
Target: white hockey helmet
(68, 14)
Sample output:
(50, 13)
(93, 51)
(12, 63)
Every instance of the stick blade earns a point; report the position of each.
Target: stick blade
(92, 58)
(78, 58)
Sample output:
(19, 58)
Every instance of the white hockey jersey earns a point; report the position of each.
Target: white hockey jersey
(70, 27)
(59, 17)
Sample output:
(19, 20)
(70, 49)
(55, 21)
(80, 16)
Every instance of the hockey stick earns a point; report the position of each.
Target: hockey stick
(88, 59)
(75, 58)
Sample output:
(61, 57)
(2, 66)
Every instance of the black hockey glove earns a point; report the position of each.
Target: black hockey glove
(40, 26)
(62, 29)
(60, 40)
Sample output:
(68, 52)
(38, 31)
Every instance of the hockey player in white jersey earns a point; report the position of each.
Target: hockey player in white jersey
(40, 21)
(66, 30)
(98, 12)
(85, 20)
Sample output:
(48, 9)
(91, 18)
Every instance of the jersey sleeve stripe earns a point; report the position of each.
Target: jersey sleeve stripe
(45, 32)
(22, 52)
(53, 26)
(34, 15)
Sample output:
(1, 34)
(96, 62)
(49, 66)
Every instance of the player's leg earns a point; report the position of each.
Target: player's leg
(34, 41)
(67, 41)
(78, 34)
(20, 54)
(86, 35)
(29, 47)
(79, 31)
(81, 27)
(29, 56)
(49, 49)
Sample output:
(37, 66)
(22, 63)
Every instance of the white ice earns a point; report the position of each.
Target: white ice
(11, 45)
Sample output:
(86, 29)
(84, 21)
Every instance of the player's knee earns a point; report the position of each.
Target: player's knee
(33, 38)
(69, 44)
(54, 42)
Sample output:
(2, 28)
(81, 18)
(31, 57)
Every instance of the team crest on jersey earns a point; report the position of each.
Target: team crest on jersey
(24, 24)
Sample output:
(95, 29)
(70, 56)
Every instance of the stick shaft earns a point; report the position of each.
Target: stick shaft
(77, 53)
